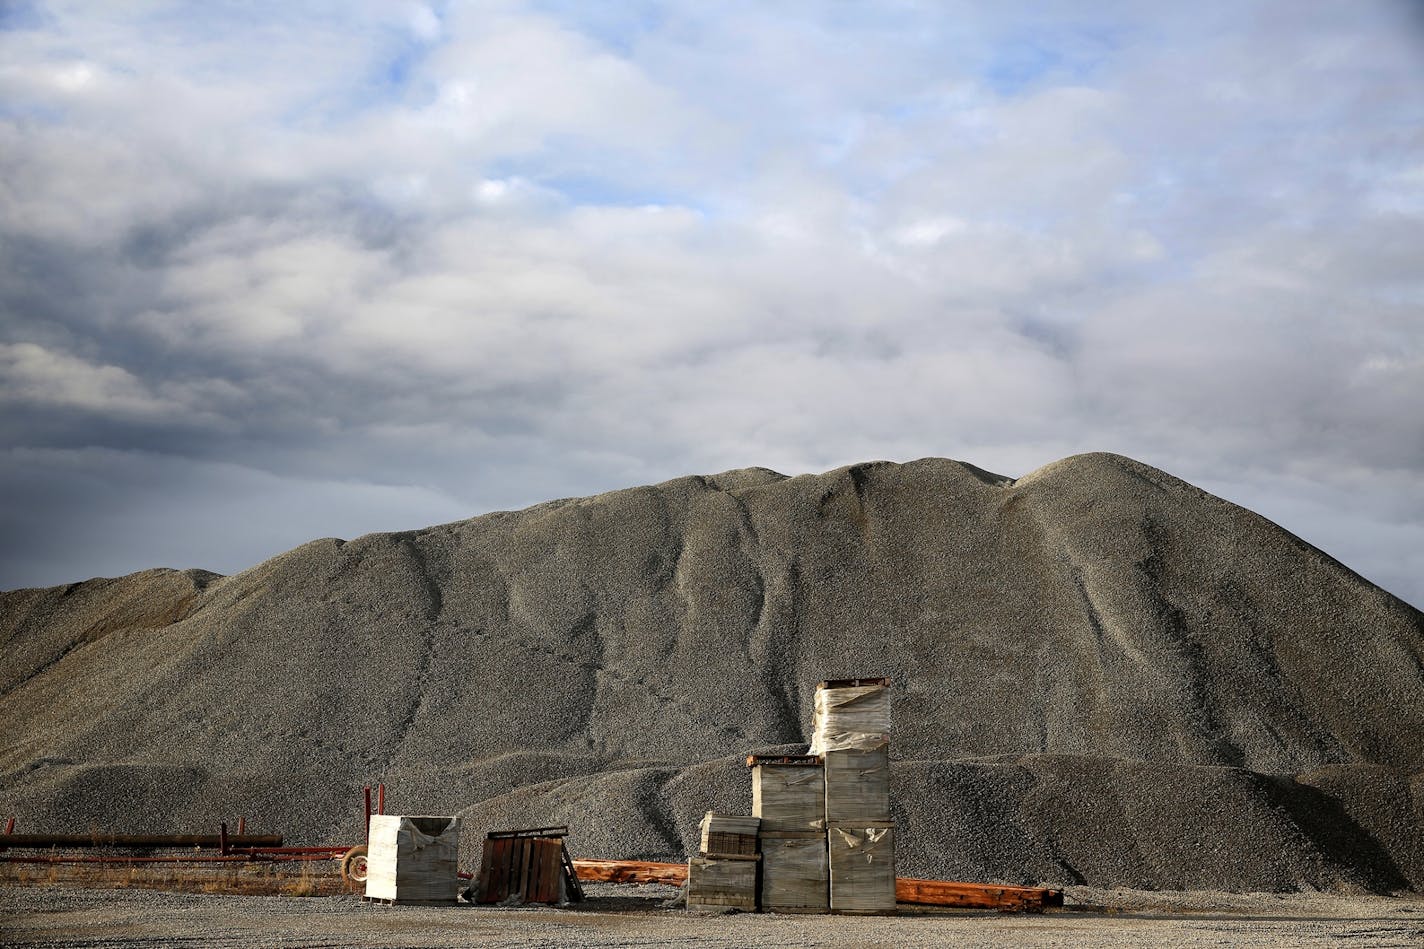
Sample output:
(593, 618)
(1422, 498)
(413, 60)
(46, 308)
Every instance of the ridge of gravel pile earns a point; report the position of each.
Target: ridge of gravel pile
(1103, 675)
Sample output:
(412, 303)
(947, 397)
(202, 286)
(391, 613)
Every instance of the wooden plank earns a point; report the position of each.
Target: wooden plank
(560, 831)
(523, 859)
(493, 888)
(571, 879)
(974, 895)
(631, 871)
(549, 868)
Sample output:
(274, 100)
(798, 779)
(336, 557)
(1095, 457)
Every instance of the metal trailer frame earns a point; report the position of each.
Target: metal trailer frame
(236, 848)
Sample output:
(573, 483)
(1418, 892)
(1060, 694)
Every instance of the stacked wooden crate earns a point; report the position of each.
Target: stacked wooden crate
(852, 719)
(724, 875)
(788, 794)
(412, 859)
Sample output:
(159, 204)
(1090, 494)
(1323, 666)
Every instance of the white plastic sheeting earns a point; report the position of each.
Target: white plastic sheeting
(851, 717)
(413, 859)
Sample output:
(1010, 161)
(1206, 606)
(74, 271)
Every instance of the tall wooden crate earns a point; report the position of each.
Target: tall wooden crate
(413, 859)
(862, 867)
(715, 883)
(795, 872)
(789, 792)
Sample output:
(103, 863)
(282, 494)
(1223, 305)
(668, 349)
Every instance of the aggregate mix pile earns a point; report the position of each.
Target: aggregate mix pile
(1103, 675)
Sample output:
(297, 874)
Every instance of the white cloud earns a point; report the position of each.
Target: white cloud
(570, 249)
(34, 377)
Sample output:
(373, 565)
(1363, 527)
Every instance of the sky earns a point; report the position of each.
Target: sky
(277, 271)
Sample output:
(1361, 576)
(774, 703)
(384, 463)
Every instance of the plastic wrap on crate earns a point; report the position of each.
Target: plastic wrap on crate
(714, 883)
(729, 833)
(413, 859)
(858, 784)
(789, 797)
(851, 716)
(795, 873)
(862, 867)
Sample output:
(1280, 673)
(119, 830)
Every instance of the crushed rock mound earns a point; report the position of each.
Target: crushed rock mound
(1103, 675)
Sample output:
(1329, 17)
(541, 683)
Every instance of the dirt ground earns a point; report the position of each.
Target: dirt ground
(67, 914)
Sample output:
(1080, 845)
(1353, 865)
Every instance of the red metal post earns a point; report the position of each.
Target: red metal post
(222, 838)
(368, 814)
(241, 826)
(380, 799)
(9, 829)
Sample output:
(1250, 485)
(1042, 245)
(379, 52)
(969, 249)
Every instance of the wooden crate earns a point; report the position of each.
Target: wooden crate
(522, 869)
(728, 834)
(789, 792)
(795, 873)
(718, 882)
(858, 784)
(862, 867)
(413, 859)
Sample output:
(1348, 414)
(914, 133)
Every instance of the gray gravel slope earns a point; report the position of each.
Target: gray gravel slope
(1104, 675)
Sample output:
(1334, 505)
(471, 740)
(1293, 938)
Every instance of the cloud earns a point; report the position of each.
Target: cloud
(425, 260)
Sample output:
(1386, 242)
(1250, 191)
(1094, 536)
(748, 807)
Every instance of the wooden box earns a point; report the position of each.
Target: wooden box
(720, 882)
(795, 873)
(522, 869)
(862, 867)
(789, 793)
(729, 834)
(858, 784)
(412, 859)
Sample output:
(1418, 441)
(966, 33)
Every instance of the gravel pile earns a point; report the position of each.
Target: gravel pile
(1103, 676)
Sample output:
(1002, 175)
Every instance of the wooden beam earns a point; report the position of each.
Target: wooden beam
(631, 871)
(974, 895)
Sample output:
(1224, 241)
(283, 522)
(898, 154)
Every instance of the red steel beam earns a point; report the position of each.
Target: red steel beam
(137, 841)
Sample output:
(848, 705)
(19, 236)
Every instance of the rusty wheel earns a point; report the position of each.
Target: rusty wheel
(353, 865)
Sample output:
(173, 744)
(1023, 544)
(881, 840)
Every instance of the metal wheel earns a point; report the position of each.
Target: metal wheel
(353, 865)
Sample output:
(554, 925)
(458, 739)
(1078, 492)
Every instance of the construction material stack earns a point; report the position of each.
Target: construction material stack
(724, 875)
(527, 866)
(852, 736)
(788, 794)
(412, 859)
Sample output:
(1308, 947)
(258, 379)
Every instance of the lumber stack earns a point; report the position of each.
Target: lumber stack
(821, 827)
(412, 859)
(852, 736)
(724, 874)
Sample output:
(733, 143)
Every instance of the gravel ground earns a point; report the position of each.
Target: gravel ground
(635, 916)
